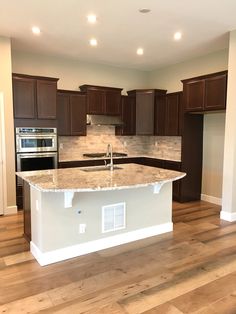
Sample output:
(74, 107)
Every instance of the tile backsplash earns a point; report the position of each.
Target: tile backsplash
(73, 147)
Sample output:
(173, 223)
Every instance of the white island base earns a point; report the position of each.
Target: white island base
(56, 230)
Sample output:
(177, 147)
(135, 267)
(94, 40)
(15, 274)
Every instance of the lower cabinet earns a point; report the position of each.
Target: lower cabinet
(27, 211)
(174, 165)
(71, 113)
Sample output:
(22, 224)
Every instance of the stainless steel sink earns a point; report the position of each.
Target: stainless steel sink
(99, 168)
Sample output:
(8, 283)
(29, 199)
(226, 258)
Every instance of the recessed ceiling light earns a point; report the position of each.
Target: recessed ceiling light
(140, 51)
(177, 36)
(92, 18)
(144, 10)
(93, 42)
(36, 30)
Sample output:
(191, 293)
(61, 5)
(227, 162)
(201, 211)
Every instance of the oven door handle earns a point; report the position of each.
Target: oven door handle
(36, 155)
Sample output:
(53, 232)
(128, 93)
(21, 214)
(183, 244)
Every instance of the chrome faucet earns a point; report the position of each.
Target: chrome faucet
(110, 154)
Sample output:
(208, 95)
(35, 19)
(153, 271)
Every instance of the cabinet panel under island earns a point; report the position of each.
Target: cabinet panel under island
(82, 210)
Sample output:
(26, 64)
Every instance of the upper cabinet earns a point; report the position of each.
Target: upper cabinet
(102, 100)
(168, 114)
(205, 93)
(71, 113)
(144, 106)
(34, 97)
(128, 109)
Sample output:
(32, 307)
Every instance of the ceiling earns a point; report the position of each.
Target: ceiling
(120, 29)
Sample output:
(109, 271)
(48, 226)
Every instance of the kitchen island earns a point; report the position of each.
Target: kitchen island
(81, 210)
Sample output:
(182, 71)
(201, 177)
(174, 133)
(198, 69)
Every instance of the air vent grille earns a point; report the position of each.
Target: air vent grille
(113, 217)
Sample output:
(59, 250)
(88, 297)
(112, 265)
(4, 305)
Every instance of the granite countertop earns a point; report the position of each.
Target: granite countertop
(78, 180)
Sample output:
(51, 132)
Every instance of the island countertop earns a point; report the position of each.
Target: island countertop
(82, 179)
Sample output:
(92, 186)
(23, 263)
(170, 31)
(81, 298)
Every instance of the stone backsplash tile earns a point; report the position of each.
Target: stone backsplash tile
(73, 147)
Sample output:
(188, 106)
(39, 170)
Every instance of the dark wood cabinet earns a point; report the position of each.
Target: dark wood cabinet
(34, 98)
(24, 98)
(113, 102)
(144, 106)
(191, 157)
(102, 100)
(71, 113)
(46, 99)
(215, 92)
(176, 166)
(27, 211)
(159, 116)
(172, 114)
(168, 114)
(128, 114)
(205, 93)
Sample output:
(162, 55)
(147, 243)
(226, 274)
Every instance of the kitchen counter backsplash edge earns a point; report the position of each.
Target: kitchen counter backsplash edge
(123, 157)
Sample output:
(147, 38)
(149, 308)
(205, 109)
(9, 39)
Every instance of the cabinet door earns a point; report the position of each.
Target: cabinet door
(78, 114)
(96, 102)
(63, 114)
(128, 116)
(160, 114)
(113, 103)
(145, 113)
(194, 94)
(24, 97)
(46, 99)
(215, 92)
(172, 115)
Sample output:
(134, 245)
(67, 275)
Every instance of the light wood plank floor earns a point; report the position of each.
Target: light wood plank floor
(192, 270)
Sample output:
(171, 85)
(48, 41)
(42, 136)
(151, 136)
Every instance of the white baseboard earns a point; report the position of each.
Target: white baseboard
(228, 216)
(97, 245)
(211, 199)
(10, 210)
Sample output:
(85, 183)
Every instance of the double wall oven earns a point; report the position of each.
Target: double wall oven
(36, 149)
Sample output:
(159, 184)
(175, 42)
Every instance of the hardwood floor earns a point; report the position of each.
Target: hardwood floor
(192, 270)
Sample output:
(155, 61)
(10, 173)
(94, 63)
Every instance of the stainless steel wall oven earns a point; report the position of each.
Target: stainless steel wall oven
(36, 149)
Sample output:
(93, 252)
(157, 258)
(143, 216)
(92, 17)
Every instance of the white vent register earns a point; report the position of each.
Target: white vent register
(113, 217)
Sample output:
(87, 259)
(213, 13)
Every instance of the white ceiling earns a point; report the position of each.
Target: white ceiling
(120, 29)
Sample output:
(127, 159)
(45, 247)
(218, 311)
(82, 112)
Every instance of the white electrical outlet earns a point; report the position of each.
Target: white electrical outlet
(155, 143)
(61, 146)
(82, 228)
(125, 143)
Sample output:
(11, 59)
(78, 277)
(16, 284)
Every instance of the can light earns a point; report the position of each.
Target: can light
(36, 30)
(93, 42)
(140, 51)
(177, 36)
(92, 18)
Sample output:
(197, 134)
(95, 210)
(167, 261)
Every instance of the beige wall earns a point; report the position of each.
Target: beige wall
(6, 88)
(74, 73)
(170, 78)
(229, 182)
(213, 154)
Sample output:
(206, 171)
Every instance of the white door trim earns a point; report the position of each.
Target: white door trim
(3, 157)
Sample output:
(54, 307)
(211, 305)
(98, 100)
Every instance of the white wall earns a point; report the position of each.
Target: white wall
(213, 138)
(73, 73)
